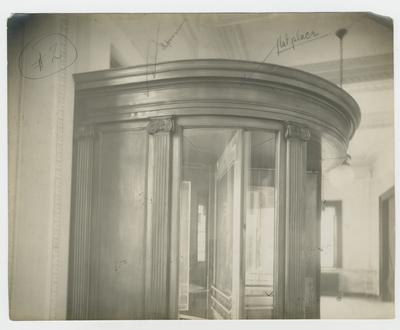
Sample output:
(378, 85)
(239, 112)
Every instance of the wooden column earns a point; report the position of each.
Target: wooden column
(175, 223)
(280, 228)
(78, 288)
(313, 229)
(158, 218)
(296, 166)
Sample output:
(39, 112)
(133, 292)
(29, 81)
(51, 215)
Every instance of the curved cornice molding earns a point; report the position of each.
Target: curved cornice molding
(219, 87)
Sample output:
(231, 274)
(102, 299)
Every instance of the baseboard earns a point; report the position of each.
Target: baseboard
(360, 295)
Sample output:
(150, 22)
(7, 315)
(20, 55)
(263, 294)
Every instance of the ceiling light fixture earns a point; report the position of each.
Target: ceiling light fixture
(342, 175)
(340, 34)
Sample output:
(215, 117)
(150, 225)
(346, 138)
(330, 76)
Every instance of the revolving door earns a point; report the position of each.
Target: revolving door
(196, 190)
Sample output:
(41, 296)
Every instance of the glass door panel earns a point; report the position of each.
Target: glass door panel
(206, 194)
(225, 288)
(227, 216)
(259, 223)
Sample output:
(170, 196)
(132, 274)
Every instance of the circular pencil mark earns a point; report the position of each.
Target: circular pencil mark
(47, 55)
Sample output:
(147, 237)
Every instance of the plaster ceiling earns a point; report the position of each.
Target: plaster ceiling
(367, 52)
(253, 37)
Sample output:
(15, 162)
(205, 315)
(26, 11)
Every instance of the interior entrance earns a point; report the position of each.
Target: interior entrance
(227, 224)
(193, 200)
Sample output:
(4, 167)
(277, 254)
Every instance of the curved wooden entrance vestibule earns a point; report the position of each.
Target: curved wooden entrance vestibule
(196, 190)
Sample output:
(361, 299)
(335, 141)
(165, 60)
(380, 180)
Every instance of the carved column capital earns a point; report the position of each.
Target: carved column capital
(157, 125)
(86, 131)
(294, 131)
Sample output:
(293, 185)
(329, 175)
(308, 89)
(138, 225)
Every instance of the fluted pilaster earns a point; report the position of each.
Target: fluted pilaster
(159, 219)
(280, 231)
(80, 225)
(295, 221)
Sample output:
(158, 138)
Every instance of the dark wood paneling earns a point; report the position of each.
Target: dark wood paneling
(121, 225)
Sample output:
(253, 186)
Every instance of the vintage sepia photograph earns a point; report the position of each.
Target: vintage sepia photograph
(201, 166)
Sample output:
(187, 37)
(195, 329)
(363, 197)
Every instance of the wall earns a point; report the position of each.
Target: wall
(360, 198)
(382, 180)
(357, 270)
(40, 121)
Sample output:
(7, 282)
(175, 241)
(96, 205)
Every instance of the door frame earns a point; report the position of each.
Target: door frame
(226, 162)
(383, 248)
(243, 124)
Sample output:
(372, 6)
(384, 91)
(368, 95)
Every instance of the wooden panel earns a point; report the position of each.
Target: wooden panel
(312, 254)
(121, 224)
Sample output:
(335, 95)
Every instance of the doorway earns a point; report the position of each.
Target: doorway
(387, 245)
(227, 203)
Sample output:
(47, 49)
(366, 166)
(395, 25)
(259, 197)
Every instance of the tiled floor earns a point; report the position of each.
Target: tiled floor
(355, 308)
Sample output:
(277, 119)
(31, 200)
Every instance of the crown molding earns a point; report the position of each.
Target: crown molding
(212, 87)
(355, 70)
